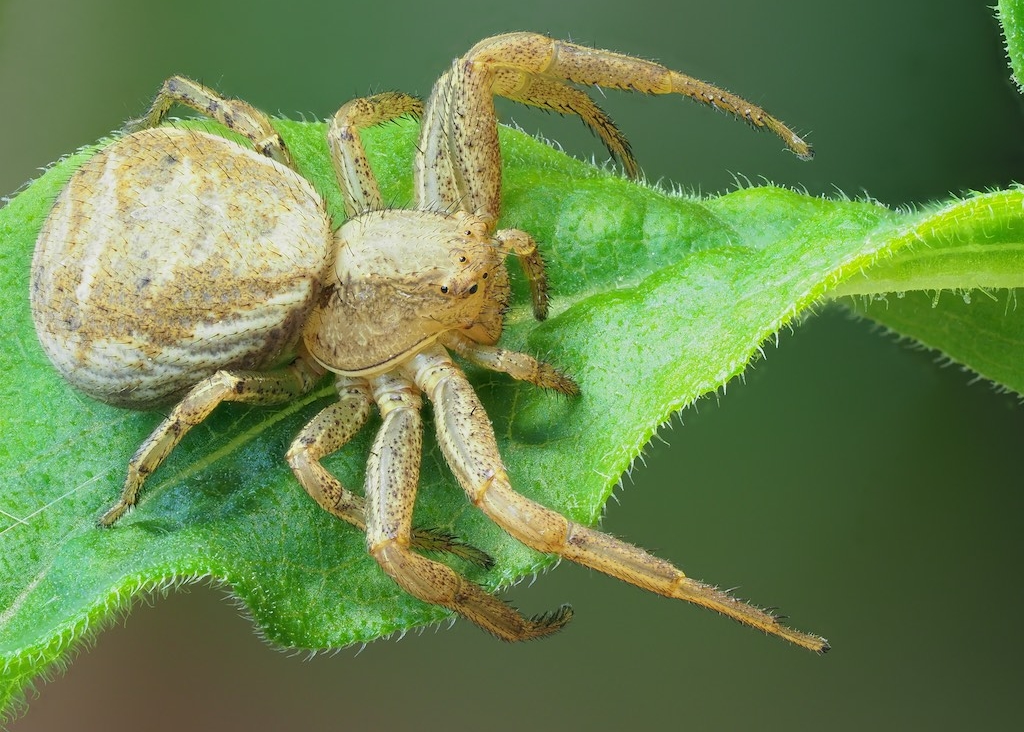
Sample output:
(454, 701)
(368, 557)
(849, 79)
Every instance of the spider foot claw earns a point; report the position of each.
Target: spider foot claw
(551, 622)
(114, 513)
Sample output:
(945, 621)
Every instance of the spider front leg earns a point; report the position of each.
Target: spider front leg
(392, 475)
(458, 161)
(236, 115)
(528, 68)
(467, 440)
(458, 158)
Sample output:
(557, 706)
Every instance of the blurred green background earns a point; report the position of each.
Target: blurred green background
(853, 480)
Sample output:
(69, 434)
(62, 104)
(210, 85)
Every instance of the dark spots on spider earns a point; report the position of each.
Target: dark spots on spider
(169, 160)
(471, 291)
(329, 295)
(239, 386)
(143, 283)
(271, 146)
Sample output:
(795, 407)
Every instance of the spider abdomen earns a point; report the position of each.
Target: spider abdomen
(172, 254)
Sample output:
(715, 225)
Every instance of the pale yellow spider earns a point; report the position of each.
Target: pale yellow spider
(177, 262)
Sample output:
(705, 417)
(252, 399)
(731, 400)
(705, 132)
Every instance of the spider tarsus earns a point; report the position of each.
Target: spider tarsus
(555, 379)
(539, 626)
(541, 302)
(436, 540)
(551, 622)
(113, 515)
(133, 125)
(469, 553)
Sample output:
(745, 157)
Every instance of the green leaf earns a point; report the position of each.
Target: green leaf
(658, 299)
(1011, 17)
(974, 248)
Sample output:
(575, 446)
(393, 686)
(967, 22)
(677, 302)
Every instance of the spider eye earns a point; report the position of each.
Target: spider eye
(473, 289)
(462, 259)
(444, 289)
